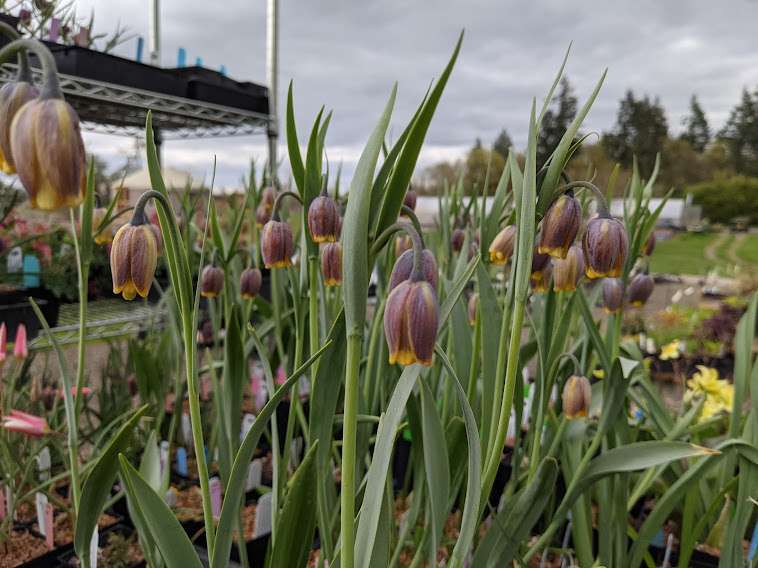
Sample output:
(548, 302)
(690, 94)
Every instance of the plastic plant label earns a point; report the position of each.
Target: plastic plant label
(181, 461)
(93, 546)
(49, 527)
(247, 423)
(263, 516)
(2, 502)
(186, 430)
(254, 471)
(296, 449)
(40, 500)
(753, 551)
(170, 498)
(164, 456)
(215, 487)
(43, 464)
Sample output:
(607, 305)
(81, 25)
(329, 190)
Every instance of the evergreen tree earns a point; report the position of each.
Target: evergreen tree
(641, 130)
(740, 134)
(502, 143)
(555, 121)
(697, 132)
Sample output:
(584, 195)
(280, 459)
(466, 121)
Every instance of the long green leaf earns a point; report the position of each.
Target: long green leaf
(298, 518)
(97, 487)
(355, 267)
(236, 485)
(293, 146)
(406, 162)
(173, 543)
(380, 463)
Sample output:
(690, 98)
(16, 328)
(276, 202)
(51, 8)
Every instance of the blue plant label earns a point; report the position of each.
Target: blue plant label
(753, 544)
(181, 461)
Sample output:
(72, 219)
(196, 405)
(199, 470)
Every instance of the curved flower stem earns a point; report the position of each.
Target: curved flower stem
(182, 280)
(602, 204)
(24, 73)
(50, 87)
(278, 200)
(416, 239)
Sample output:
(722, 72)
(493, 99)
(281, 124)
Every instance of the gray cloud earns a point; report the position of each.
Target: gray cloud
(346, 55)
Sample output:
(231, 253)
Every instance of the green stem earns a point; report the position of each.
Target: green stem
(11, 33)
(350, 424)
(313, 268)
(563, 508)
(51, 88)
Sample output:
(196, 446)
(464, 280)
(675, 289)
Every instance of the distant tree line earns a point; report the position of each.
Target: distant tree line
(709, 164)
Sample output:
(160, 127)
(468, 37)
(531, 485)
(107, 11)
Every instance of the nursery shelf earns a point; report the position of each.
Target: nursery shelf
(117, 109)
(106, 319)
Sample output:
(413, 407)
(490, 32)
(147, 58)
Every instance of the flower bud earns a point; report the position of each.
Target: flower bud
(211, 281)
(106, 235)
(331, 263)
(560, 226)
(48, 152)
(134, 255)
(457, 239)
(262, 215)
(576, 397)
(410, 322)
(604, 245)
(3, 342)
(410, 199)
(13, 96)
(402, 244)
(501, 248)
(324, 219)
(20, 346)
(649, 246)
(250, 283)
(613, 295)
(540, 280)
(276, 244)
(404, 267)
(268, 196)
(568, 271)
(473, 305)
(640, 289)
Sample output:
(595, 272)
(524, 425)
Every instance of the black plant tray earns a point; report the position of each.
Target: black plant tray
(213, 87)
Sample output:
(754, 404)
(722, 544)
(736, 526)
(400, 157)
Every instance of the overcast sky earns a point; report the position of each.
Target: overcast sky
(346, 55)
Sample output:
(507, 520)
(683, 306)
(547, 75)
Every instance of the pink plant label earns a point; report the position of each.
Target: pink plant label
(215, 487)
(2, 502)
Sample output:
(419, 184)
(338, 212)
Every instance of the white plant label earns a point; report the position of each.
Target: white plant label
(93, 546)
(43, 464)
(40, 500)
(247, 423)
(186, 430)
(254, 471)
(263, 516)
(164, 455)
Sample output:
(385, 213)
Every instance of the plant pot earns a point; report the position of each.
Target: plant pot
(213, 87)
(68, 558)
(15, 309)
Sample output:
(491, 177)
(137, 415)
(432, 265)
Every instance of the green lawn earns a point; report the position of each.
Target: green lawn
(684, 254)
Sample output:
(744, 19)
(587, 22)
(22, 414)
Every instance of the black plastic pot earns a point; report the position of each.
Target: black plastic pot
(697, 560)
(65, 559)
(213, 87)
(15, 309)
(99, 66)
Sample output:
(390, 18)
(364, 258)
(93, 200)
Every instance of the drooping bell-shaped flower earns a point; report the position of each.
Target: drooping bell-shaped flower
(649, 246)
(250, 283)
(324, 219)
(457, 239)
(473, 306)
(276, 244)
(331, 263)
(576, 397)
(211, 281)
(605, 246)
(410, 322)
(13, 96)
(568, 271)
(540, 279)
(410, 199)
(613, 295)
(501, 248)
(560, 226)
(134, 255)
(640, 289)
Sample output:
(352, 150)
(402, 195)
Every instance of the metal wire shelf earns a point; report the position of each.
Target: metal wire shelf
(116, 109)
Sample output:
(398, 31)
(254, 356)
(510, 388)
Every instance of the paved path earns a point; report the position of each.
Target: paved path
(711, 251)
(732, 252)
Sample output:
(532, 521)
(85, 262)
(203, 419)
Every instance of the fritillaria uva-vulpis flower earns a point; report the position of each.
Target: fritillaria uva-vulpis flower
(560, 226)
(576, 397)
(604, 246)
(568, 271)
(412, 313)
(640, 289)
(211, 281)
(501, 248)
(250, 283)
(404, 267)
(613, 295)
(134, 255)
(331, 263)
(324, 218)
(13, 95)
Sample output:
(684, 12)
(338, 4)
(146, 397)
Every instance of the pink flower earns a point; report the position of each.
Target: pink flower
(20, 349)
(3, 341)
(86, 391)
(281, 376)
(25, 423)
